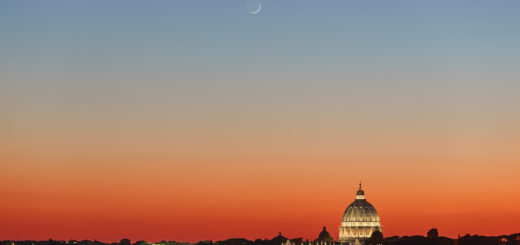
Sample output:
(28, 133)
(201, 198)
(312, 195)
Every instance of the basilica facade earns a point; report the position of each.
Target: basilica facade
(359, 221)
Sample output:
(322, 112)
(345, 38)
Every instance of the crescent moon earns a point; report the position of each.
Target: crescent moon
(258, 10)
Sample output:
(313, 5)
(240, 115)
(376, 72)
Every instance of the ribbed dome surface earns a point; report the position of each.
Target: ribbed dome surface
(360, 211)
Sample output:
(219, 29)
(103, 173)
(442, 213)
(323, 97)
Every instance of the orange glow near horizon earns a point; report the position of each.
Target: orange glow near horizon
(160, 197)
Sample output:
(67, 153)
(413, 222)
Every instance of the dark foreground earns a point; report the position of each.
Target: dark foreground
(513, 239)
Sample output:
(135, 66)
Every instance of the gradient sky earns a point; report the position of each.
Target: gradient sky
(190, 120)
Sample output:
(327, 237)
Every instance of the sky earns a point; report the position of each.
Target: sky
(193, 120)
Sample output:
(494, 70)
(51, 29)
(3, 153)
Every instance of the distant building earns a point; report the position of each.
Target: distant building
(279, 239)
(325, 236)
(359, 221)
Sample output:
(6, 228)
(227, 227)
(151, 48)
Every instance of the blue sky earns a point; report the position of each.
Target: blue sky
(309, 46)
(188, 33)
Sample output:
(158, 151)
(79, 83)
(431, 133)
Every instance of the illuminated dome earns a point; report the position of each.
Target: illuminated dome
(359, 220)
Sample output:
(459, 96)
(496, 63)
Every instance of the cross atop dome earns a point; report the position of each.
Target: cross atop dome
(360, 195)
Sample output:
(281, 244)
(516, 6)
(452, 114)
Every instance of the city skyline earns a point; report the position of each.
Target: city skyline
(197, 120)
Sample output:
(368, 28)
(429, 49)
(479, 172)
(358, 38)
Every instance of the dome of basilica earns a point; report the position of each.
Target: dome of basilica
(360, 211)
(359, 221)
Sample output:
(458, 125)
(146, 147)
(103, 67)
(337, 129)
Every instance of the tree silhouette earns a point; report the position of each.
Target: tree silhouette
(433, 234)
(376, 238)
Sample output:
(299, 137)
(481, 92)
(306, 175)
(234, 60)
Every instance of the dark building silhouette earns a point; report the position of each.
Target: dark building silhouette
(278, 239)
(432, 238)
(325, 236)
